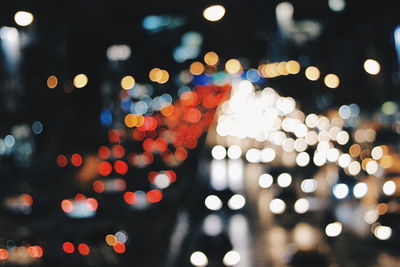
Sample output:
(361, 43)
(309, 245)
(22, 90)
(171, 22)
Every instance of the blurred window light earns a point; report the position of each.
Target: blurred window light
(127, 82)
(309, 185)
(265, 180)
(214, 13)
(301, 205)
(234, 152)
(383, 232)
(284, 179)
(371, 216)
(231, 258)
(302, 159)
(52, 82)
(277, 206)
(23, 18)
(218, 152)
(233, 66)
(340, 191)
(389, 188)
(118, 52)
(236, 202)
(213, 202)
(372, 66)
(312, 73)
(268, 154)
(333, 229)
(360, 190)
(199, 259)
(331, 81)
(211, 58)
(337, 5)
(80, 80)
(253, 155)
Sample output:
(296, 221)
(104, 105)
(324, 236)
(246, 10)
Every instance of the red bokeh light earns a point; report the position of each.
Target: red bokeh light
(3, 254)
(68, 247)
(105, 168)
(104, 152)
(114, 136)
(67, 206)
(120, 167)
(181, 154)
(118, 151)
(130, 197)
(76, 160)
(93, 204)
(119, 248)
(193, 115)
(35, 251)
(154, 196)
(27, 199)
(83, 249)
(61, 161)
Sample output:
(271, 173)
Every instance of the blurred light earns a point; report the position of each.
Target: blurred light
(389, 188)
(389, 107)
(333, 229)
(199, 259)
(233, 66)
(111, 240)
(80, 80)
(371, 216)
(340, 191)
(9, 140)
(309, 185)
(162, 181)
(337, 5)
(245, 87)
(23, 18)
(354, 168)
(284, 180)
(52, 82)
(253, 155)
(268, 154)
(331, 81)
(236, 202)
(302, 159)
(234, 152)
(68, 247)
(121, 237)
(211, 58)
(372, 167)
(342, 138)
(265, 180)
(196, 68)
(301, 205)
(344, 160)
(118, 52)
(360, 190)
(372, 66)
(214, 13)
(218, 152)
(312, 73)
(293, 67)
(231, 258)
(155, 74)
(127, 82)
(277, 206)
(3, 254)
(377, 153)
(344, 112)
(213, 202)
(83, 249)
(213, 225)
(37, 127)
(383, 232)
(119, 248)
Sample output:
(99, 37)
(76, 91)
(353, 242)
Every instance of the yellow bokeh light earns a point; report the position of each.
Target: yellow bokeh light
(386, 162)
(155, 75)
(127, 82)
(355, 150)
(233, 66)
(164, 77)
(80, 80)
(293, 67)
(312, 73)
(130, 120)
(211, 58)
(196, 68)
(331, 81)
(214, 13)
(23, 18)
(282, 68)
(52, 81)
(372, 66)
(111, 240)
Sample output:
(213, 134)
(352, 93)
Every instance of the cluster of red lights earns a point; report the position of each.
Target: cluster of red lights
(67, 205)
(75, 159)
(69, 248)
(32, 251)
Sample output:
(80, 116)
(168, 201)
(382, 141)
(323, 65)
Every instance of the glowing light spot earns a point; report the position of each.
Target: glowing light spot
(105, 168)
(214, 13)
(211, 58)
(68, 247)
(277, 206)
(268, 155)
(231, 258)
(234, 152)
(383, 232)
(83, 249)
(265, 180)
(233, 66)
(389, 188)
(52, 82)
(360, 190)
(130, 197)
(312, 73)
(333, 229)
(111, 240)
(309, 185)
(98, 186)
(302, 159)
(372, 66)
(119, 248)
(196, 68)
(253, 155)
(120, 167)
(61, 161)
(301, 205)
(213, 202)
(354, 168)
(377, 153)
(218, 152)
(76, 160)
(155, 74)
(284, 180)
(3, 254)
(164, 77)
(127, 82)
(154, 196)
(35, 251)
(340, 191)
(67, 206)
(293, 67)
(371, 167)
(236, 202)
(198, 259)
(23, 18)
(331, 81)
(80, 80)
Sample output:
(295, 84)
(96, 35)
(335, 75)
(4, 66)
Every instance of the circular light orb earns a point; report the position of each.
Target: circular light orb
(337, 5)
(332, 81)
(231, 258)
(127, 82)
(198, 259)
(340, 191)
(389, 188)
(218, 152)
(265, 180)
(213, 202)
(236, 202)
(333, 229)
(23, 18)
(268, 154)
(277, 206)
(214, 13)
(253, 155)
(301, 205)
(372, 66)
(80, 80)
(234, 152)
(309, 185)
(302, 159)
(360, 190)
(312, 73)
(284, 179)
(383, 232)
